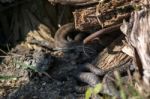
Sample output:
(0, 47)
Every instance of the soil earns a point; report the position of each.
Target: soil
(60, 82)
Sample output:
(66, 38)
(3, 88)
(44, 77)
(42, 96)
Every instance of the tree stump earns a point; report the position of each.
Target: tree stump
(138, 33)
(112, 55)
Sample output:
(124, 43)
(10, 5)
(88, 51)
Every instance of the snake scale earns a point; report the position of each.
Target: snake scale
(90, 73)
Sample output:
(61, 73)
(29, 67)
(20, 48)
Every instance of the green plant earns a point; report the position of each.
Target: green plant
(125, 93)
(5, 77)
(94, 90)
(25, 66)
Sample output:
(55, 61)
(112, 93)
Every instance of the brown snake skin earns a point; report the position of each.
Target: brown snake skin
(65, 31)
(100, 32)
(75, 2)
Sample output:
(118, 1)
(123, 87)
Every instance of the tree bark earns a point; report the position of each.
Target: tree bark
(112, 55)
(137, 32)
(102, 15)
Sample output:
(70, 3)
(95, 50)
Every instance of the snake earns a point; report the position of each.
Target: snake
(63, 36)
(93, 77)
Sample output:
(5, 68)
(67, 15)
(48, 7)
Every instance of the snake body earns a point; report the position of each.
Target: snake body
(101, 32)
(63, 33)
(94, 74)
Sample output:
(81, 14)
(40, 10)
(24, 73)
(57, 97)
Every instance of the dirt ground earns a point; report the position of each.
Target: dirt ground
(60, 82)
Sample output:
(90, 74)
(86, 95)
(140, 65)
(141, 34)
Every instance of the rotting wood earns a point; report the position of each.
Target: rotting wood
(102, 15)
(112, 55)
